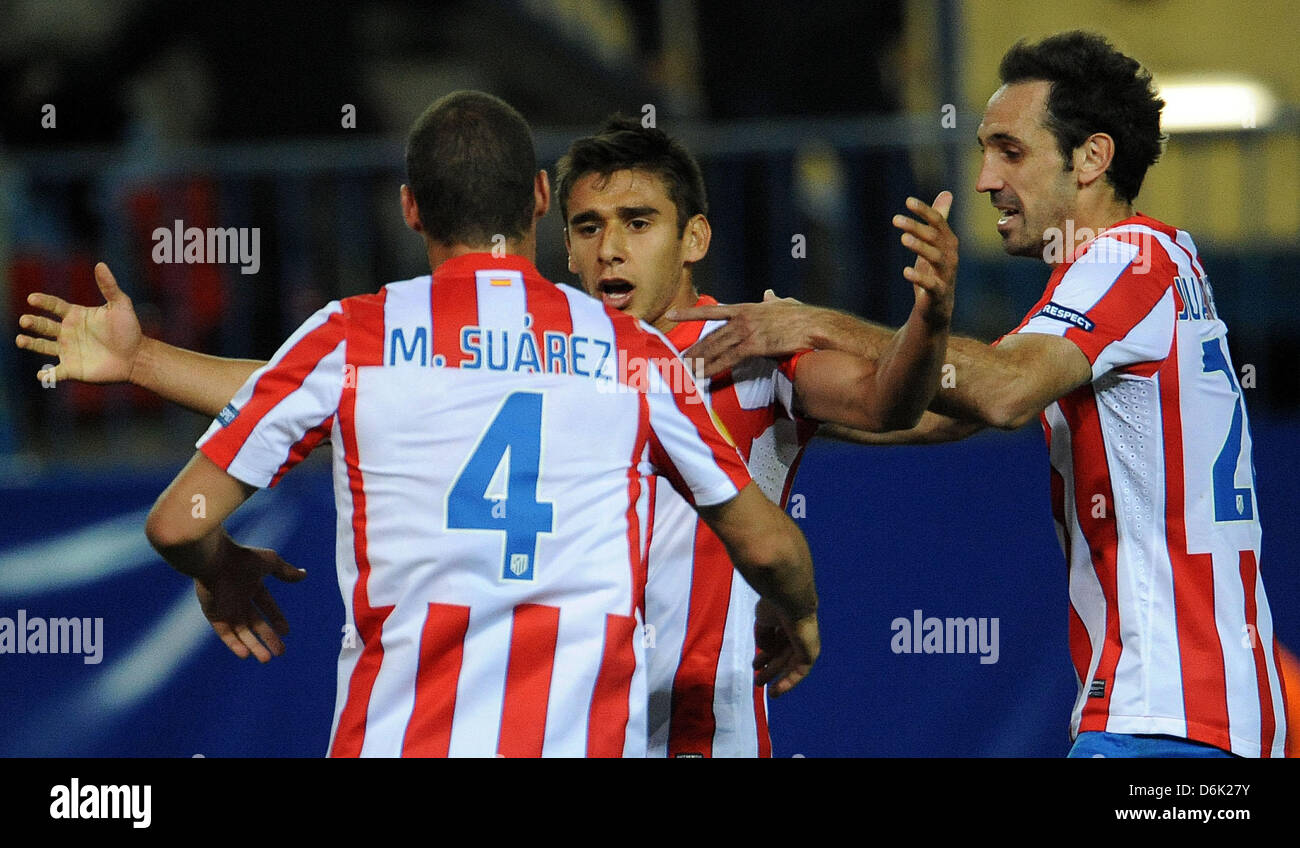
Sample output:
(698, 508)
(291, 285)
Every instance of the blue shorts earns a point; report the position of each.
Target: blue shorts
(1095, 743)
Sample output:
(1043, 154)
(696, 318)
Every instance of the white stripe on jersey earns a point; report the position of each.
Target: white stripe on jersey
(394, 687)
(1148, 676)
(481, 688)
(408, 330)
(345, 564)
(736, 732)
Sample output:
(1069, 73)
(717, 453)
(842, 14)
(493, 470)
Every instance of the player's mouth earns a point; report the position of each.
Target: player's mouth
(615, 292)
(1010, 210)
(1008, 217)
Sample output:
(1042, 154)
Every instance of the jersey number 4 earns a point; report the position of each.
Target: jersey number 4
(1231, 502)
(496, 490)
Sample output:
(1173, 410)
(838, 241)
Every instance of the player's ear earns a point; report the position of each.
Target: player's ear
(1093, 157)
(541, 194)
(410, 211)
(696, 238)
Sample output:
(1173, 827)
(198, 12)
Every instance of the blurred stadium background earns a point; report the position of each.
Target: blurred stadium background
(813, 119)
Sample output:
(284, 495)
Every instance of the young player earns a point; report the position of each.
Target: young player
(634, 209)
(491, 564)
(1125, 360)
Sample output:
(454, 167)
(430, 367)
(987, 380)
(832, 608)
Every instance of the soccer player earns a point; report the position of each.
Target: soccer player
(1125, 361)
(635, 216)
(491, 564)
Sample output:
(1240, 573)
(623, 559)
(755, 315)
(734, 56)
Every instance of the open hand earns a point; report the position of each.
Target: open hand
(240, 607)
(94, 344)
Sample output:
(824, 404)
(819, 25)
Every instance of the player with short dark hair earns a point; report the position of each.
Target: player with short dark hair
(1094, 88)
(491, 563)
(1125, 361)
(624, 142)
(470, 166)
(635, 227)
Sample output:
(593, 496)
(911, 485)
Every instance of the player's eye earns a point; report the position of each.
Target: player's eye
(586, 229)
(638, 224)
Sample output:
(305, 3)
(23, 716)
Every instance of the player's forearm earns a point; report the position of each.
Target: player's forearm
(185, 523)
(196, 381)
(830, 329)
(907, 374)
(767, 549)
(933, 428)
(783, 574)
(195, 558)
(984, 386)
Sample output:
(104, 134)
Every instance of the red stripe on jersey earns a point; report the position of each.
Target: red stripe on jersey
(365, 347)
(636, 554)
(1088, 448)
(274, 386)
(1126, 303)
(1267, 723)
(608, 717)
(760, 721)
(550, 310)
(1205, 691)
(744, 425)
(454, 301)
(442, 647)
(302, 447)
(528, 680)
(693, 721)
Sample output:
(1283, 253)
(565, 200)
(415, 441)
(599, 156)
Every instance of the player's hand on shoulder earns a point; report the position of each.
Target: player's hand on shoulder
(934, 274)
(779, 326)
(93, 344)
(787, 649)
(238, 604)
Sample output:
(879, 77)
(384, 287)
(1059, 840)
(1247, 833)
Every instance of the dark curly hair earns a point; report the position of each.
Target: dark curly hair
(623, 144)
(1095, 88)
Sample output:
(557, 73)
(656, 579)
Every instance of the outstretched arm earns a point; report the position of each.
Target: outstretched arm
(104, 345)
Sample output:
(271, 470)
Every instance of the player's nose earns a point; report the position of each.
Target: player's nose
(612, 245)
(989, 179)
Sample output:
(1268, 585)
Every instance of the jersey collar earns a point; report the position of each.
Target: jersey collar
(687, 333)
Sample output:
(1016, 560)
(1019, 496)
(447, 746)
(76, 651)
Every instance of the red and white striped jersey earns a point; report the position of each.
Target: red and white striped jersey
(1153, 488)
(699, 610)
(490, 473)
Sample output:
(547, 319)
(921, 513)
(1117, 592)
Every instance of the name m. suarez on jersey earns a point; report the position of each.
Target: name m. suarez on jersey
(95, 801)
(496, 349)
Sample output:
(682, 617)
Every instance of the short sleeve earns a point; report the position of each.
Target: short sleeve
(688, 442)
(1115, 303)
(285, 407)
